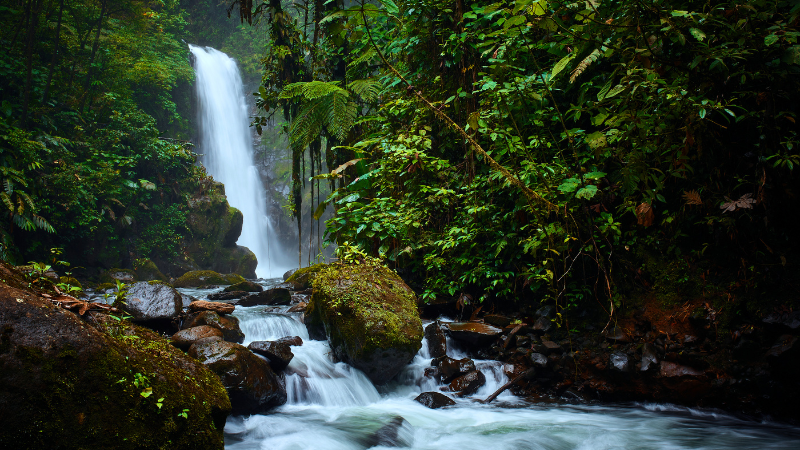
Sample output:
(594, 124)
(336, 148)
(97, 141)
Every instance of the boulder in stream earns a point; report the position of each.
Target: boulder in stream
(70, 383)
(185, 338)
(278, 353)
(251, 384)
(450, 368)
(473, 332)
(147, 301)
(200, 278)
(468, 383)
(369, 315)
(435, 400)
(229, 325)
(246, 286)
(274, 296)
(437, 341)
(217, 307)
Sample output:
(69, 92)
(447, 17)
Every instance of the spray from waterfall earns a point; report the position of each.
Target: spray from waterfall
(227, 148)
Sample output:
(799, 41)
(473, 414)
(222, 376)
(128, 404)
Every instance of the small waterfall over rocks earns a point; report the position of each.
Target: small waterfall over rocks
(227, 149)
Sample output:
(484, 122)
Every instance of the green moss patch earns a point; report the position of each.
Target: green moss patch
(198, 278)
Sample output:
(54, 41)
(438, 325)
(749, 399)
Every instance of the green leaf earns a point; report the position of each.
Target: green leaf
(771, 39)
(594, 175)
(391, 6)
(697, 33)
(587, 192)
(561, 65)
(569, 185)
(147, 392)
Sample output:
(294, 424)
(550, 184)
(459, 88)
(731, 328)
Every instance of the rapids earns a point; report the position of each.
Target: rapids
(332, 406)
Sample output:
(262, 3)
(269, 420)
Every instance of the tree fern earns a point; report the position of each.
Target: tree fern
(368, 89)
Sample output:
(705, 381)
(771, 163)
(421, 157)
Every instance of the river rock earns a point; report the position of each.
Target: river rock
(187, 300)
(473, 332)
(396, 433)
(217, 307)
(620, 362)
(540, 361)
(251, 384)
(278, 353)
(670, 370)
(437, 342)
(200, 278)
(649, 359)
(497, 320)
(546, 311)
(542, 325)
(552, 348)
(229, 325)
(185, 338)
(468, 383)
(274, 296)
(292, 341)
(231, 295)
(288, 274)
(247, 286)
(370, 317)
(67, 383)
(300, 307)
(450, 368)
(616, 334)
(147, 301)
(435, 400)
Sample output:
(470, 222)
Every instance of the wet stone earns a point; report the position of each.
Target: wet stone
(292, 341)
(473, 333)
(437, 342)
(616, 334)
(670, 370)
(246, 286)
(217, 307)
(278, 354)
(542, 325)
(435, 400)
(185, 338)
(230, 295)
(274, 296)
(497, 320)
(649, 359)
(552, 348)
(620, 362)
(539, 360)
(300, 307)
(229, 325)
(467, 384)
(155, 301)
(449, 368)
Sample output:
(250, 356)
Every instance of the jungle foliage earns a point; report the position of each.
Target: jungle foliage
(546, 149)
(95, 104)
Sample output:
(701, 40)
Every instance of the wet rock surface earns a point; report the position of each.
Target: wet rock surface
(274, 296)
(450, 368)
(251, 384)
(219, 308)
(437, 341)
(228, 325)
(230, 295)
(468, 383)
(245, 286)
(435, 400)
(278, 353)
(292, 341)
(75, 380)
(185, 338)
(473, 333)
(152, 301)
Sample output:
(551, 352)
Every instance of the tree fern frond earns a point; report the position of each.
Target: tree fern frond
(365, 57)
(8, 185)
(27, 199)
(308, 123)
(368, 89)
(43, 224)
(583, 65)
(341, 116)
(292, 90)
(21, 205)
(24, 222)
(317, 89)
(7, 200)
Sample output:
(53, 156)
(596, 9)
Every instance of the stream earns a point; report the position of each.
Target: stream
(332, 406)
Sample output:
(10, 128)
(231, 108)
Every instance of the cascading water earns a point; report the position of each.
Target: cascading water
(227, 149)
(332, 406)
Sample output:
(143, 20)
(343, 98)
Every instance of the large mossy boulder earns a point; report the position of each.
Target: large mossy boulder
(370, 317)
(215, 227)
(147, 270)
(304, 277)
(70, 383)
(200, 278)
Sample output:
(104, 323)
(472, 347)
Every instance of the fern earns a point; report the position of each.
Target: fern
(341, 115)
(583, 65)
(316, 89)
(368, 90)
(308, 123)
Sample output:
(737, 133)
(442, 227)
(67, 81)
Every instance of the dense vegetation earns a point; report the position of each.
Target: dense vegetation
(550, 150)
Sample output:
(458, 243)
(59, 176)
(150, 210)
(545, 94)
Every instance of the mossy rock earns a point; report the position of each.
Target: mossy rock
(304, 277)
(370, 317)
(102, 287)
(199, 278)
(67, 382)
(246, 286)
(147, 270)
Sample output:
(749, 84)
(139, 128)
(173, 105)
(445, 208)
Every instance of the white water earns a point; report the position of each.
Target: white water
(332, 406)
(227, 149)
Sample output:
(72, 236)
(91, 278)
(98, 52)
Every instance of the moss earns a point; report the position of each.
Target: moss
(125, 275)
(198, 278)
(71, 281)
(365, 308)
(305, 276)
(147, 270)
(106, 286)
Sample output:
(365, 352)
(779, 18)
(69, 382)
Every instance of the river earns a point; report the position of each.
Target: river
(332, 406)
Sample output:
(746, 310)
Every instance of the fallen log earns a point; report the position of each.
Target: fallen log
(508, 385)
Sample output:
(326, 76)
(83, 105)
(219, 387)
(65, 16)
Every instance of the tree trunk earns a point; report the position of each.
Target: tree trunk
(54, 59)
(34, 7)
(87, 83)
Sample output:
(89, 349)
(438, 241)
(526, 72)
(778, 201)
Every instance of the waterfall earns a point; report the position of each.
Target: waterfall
(227, 149)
